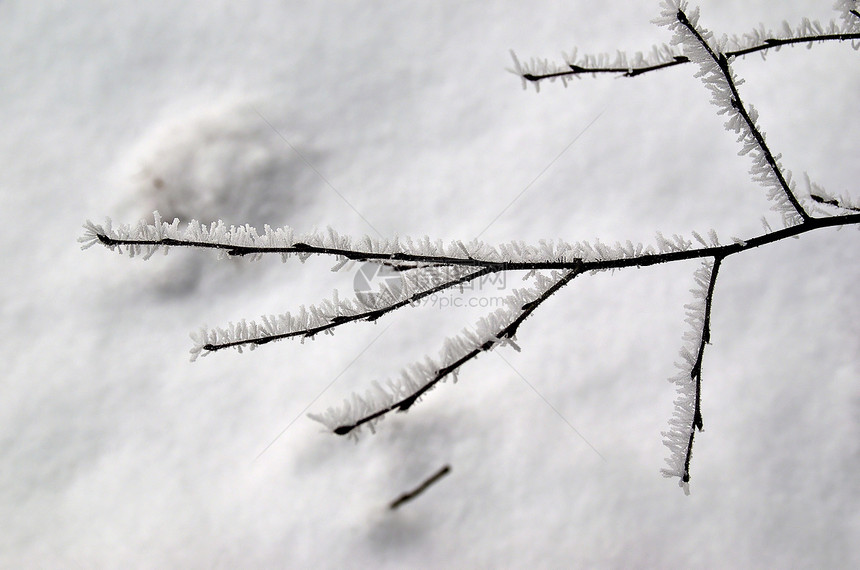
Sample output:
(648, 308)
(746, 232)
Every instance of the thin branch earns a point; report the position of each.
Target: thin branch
(625, 71)
(405, 497)
(641, 260)
(833, 202)
(677, 60)
(507, 332)
(776, 42)
(338, 320)
(696, 371)
(634, 71)
(737, 103)
(687, 416)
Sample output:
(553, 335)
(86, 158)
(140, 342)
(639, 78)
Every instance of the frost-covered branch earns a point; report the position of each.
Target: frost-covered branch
(537, 70)
(426, 266)
(498, 328)
(432, 267)
(701, 47)
(138, 240)
(663, 56)
(843, 202)
(332, 313)
(145, 239)
(687, 417)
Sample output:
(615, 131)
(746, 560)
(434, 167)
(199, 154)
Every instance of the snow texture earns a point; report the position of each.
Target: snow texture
(119, 453)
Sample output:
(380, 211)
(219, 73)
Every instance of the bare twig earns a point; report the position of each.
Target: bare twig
(406, 497)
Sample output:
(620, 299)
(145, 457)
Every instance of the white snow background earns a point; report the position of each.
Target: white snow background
(399, 118)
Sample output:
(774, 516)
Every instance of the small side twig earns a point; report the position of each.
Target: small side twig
(507, 332)
(833, 202)
(696, 372)
(370, 315)
(406, 497)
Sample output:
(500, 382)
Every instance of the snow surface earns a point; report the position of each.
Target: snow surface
(399, 118)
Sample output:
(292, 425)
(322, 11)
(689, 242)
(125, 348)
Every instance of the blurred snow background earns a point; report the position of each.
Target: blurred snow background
(401, 119)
